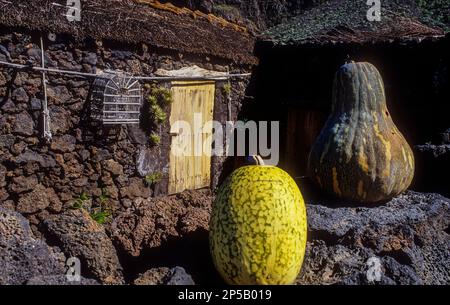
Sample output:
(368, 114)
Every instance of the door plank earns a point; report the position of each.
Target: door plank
(190, 171)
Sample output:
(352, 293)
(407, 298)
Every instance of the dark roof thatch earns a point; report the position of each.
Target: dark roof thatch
(345, 21)
(136, 21)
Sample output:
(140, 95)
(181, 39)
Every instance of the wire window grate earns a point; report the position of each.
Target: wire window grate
(117, 99)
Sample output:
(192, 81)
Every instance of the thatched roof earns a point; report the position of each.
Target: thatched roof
(345, 21)
(136, 21)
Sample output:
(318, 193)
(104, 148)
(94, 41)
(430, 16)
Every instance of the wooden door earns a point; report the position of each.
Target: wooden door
(192, 169)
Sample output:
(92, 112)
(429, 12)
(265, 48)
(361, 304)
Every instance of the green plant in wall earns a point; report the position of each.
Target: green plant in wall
(155, 139)
(152, 179)
(159, 99)
(101, 217)
(227, 88)
(103, 213)
(80, 201)
(104, 197)
(159, 115)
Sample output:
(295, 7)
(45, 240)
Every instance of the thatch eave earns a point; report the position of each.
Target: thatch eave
(136, 22)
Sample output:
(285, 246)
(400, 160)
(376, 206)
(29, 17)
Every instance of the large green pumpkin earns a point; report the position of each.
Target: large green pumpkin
(360, 155)
(258, 227)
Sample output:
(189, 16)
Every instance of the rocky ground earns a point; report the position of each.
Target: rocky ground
(409, 236)
(165, 241)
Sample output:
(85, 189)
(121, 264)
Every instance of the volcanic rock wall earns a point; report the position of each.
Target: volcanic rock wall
(37, 178)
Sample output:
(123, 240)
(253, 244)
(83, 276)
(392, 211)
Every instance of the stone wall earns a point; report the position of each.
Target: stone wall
(37, 178)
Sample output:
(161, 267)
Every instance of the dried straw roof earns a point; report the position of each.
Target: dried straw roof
(136, 21)
(345, 21)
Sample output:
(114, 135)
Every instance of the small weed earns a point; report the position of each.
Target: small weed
(79, 202)
(101, 217)
(227, 88)
(155, 139)
(159, 98)
(101, 214)
(163, 95)
(158, 114)
(153, 179)
(104, 197)
(153, 100)
(160, 95)
(84, 196)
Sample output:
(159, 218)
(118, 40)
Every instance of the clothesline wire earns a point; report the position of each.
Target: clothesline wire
(105, 75)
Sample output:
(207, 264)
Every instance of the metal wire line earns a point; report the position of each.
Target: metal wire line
(155, 78)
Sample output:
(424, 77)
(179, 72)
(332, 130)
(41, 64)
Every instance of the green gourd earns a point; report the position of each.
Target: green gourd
(360, 155)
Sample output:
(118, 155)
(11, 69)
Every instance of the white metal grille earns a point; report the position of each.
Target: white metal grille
(117, 99)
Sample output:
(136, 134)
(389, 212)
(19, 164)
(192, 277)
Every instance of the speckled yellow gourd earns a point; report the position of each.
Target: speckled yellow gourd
(258, 227)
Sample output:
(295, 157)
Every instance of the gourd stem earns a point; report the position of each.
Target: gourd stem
(259, 160)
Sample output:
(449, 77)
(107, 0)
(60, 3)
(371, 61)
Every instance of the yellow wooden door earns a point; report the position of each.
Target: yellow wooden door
(190, 163)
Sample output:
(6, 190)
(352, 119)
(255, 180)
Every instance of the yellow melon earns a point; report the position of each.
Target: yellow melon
(258, 227)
